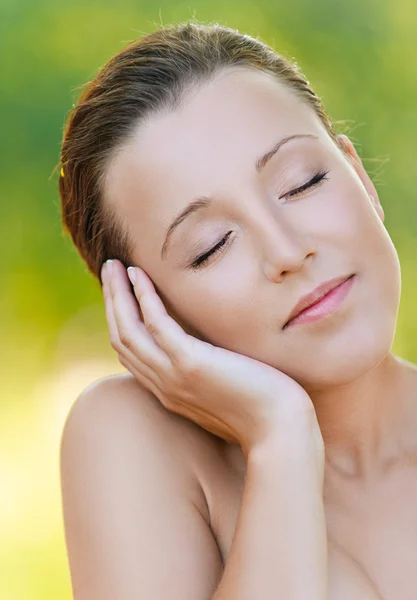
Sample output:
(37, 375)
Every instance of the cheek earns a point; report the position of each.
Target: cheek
(346, 221)
(371, 250)
(225, 313)
(340, 217)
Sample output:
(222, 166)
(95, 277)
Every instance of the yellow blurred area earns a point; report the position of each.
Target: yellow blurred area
(32, 553)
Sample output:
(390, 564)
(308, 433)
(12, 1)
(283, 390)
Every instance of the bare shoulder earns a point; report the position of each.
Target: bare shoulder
(119, 409)
(122, 397)
(135, 515)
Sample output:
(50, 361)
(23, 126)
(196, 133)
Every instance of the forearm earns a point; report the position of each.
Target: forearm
(279, 550)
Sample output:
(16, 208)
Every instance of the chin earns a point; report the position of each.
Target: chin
(348, 360)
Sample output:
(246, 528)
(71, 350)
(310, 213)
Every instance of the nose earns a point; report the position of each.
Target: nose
(285, 250)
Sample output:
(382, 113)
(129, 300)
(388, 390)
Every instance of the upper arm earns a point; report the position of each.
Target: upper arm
(132, 528)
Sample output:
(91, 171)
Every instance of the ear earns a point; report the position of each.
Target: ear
(350, 151)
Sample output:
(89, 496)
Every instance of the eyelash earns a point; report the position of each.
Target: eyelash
(204, 258)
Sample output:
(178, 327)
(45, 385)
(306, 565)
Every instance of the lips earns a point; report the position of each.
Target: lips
(317, 294)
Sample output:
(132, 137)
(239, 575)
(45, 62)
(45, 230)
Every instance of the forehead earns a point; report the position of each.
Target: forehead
(208, 146)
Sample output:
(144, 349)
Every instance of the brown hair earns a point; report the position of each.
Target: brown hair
(151, 74)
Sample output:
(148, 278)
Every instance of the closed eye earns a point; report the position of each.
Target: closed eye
(318, 177)
(204, 258)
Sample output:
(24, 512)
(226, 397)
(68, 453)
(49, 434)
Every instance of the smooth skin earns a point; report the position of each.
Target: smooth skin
(153, 484)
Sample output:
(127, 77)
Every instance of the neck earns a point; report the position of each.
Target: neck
(370, 423)
(367, 425)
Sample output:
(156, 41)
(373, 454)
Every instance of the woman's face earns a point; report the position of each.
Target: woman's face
(278, 246)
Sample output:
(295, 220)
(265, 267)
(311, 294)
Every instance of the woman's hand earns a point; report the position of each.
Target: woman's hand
(238, 398)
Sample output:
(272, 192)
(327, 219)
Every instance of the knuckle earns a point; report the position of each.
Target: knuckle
(115, 343)
(152, 328)
(122, 359)
(188, 365)
(167, 384)
(126, 339)
(169, 403)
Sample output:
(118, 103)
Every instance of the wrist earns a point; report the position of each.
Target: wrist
(296, 443)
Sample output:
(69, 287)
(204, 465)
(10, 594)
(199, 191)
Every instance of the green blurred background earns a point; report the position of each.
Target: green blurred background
(360, 56)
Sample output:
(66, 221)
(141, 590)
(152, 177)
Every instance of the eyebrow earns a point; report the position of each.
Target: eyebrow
(205, 201)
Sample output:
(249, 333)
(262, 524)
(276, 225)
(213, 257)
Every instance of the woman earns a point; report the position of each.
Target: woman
(252, 450)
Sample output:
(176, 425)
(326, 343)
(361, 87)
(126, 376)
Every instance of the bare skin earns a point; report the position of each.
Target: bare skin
(372, 527)
(365, 397)
(371, 517)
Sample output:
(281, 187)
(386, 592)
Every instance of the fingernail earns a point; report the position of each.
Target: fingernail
(131, 274)
(109, 263)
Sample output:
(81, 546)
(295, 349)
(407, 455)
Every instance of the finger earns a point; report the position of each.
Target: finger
(135, 365)
(108, 304)
(139, 376)
(132, 332)
(169, 335)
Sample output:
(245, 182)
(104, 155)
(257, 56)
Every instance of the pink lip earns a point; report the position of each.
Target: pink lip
(325, 306)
